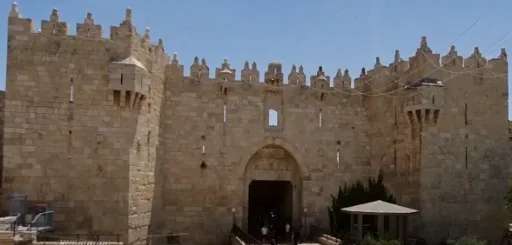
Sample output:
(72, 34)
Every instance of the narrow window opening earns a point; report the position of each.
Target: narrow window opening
(320, 118)
(121, 79)
(88, 33)
(322, 97)
(203, 147)
(272, 117)
(433, 99)
(454, 62)
(70, 143)
(466, 114)
(53, 31)
(224, 112)
(394, 155)
(71, 92)
(338, 157)
(396, 123)
(250, 79)
(466, 158)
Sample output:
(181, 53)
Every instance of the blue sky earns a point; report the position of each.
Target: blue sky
(331, 33)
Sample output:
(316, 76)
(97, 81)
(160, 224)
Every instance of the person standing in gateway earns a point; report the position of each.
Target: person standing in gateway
(287, 231)
(264, 233)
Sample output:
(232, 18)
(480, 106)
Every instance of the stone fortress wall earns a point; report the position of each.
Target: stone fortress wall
(115, 138)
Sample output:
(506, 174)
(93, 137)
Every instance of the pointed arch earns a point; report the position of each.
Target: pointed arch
(294, 152)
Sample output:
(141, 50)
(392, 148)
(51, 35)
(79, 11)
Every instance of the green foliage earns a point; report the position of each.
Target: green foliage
(356, 194)
(369, 240)
(508, 198)
(467, 240)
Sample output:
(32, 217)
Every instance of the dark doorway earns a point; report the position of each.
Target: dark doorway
(270, 203)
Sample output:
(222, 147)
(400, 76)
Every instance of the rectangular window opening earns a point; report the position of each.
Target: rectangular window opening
(71, 92)
(320, 118)
(70, 143)
(121, 79)
(466, 158)
(466, 114)
(273, 119)
(224, 113)
(338, 158)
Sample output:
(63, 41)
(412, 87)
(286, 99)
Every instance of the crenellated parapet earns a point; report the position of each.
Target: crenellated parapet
(123, 41)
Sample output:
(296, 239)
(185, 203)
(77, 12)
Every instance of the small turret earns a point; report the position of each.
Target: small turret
(320, 81)
(342, 80)
(195, 69)
(398, 66)
(377, 63)
(126, 31)
(18, 27)
(225, 73)
(14, 13)
(475, 61)
(88, 29)
(255, 73)
(274, 74)
(54, 26)
(174, 69)
(452, 58)
(297, 78)
(424, 62)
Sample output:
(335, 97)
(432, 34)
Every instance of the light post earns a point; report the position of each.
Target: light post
(305, 222)
(233, 212)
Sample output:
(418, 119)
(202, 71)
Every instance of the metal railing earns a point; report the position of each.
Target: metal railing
(244, 236)
(49, 237)
(43, 221)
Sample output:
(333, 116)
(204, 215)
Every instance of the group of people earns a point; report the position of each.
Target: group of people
(268, 234)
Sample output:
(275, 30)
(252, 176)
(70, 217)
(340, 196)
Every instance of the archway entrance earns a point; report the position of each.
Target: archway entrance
(272, 190)
(271, 204)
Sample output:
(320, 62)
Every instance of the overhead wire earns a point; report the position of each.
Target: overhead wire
(331, 89)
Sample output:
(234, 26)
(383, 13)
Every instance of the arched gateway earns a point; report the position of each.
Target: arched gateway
(272, 187)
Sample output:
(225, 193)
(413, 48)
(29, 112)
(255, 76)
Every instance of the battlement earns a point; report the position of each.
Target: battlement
(416, 67)
(422, 64)
(124, 34)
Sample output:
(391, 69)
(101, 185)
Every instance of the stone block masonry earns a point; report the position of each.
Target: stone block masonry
(111, 134)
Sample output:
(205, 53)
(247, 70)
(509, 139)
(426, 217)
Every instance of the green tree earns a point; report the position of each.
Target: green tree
(508, 198)
(369, 240)
(467, 240)
(355, 194)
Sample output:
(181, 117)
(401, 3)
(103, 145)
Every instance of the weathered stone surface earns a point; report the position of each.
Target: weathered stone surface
(157, 151)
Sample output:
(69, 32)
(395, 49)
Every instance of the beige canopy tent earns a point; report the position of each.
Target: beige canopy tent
(381, 209)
